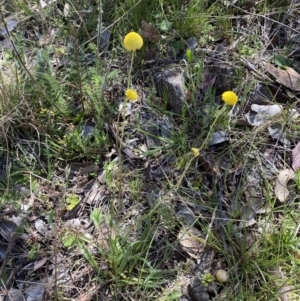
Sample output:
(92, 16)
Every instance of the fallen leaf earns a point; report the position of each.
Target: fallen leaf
(10, 25)
(38, 264)
(14, 295)
(267, 110)
(149, 32)
(254, 119)
(73, 223)
(293, 113)
(296, 157)
(44, 4)
(276, 132)
(263, 113)
(245, 224)
(41, 227)
(68, 239)
(280, 60)
(35, 292)
(288, 77)
(247, 213)
(191, 241)
(84, 168)
(7, 228)
(218, 137)
(281, 190)
(67, 9)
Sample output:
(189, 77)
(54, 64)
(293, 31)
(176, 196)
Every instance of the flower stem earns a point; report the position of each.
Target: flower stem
(211, 128)
(130, 69)
(123, 132)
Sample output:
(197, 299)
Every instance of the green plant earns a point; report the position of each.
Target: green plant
(298, 179)
(207, 279)
(62, 102)
(33, 251)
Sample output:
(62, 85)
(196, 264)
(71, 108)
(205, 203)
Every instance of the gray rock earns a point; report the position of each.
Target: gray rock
(213, 288)
(10, 25)
(169, 84)
(88, 131)
(104, 39)
(197, 291)
(192, 43)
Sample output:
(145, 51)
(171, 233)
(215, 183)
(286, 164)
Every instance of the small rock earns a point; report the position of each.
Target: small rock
(192, 43)
(7, 229)
(170, 85)
(197, 291)
(35, 292)
(212, 288)
(104, 39)
(87, 131)
(218, 137)
(152, 135)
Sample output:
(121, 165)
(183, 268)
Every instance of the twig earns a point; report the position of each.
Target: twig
(12, 239)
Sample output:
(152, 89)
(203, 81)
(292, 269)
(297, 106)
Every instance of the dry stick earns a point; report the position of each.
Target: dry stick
(12, 239)
(55, 268)
(24, 66)
(211, 224)
(123, 128)
(78, 11)
(294, 52)
(13, 273)
(5, 131)
(7, 159)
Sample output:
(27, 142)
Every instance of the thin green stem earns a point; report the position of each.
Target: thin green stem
(130, 69)
(123, 128)
(201, 147)
(211, 128)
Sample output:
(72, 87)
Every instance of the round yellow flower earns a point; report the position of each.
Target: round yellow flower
(195, 151)
(133, 41)
(131, 94)
(230, 98)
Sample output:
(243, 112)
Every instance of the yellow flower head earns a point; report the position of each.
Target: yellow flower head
(230, 98)
(195, 151)
(133, 41)
(131, 94)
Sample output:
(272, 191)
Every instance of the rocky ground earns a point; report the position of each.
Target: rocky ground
(103, 199)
